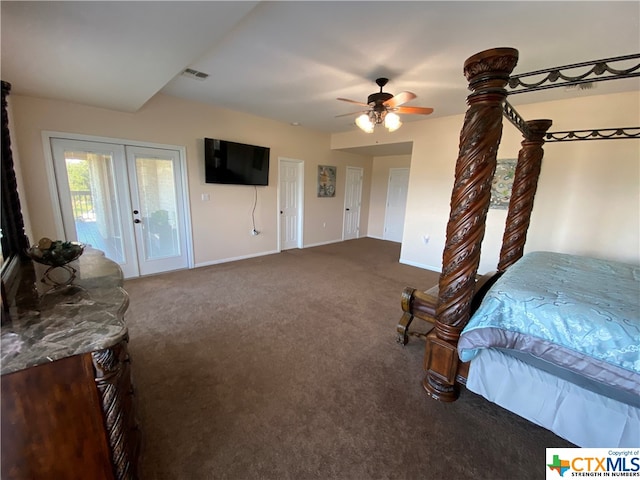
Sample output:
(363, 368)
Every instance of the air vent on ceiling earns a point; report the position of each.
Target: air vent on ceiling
(191, 73)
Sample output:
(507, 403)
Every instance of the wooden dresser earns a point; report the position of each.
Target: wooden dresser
(67, 400)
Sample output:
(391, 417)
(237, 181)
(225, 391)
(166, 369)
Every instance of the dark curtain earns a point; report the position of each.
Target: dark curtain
(14, 240)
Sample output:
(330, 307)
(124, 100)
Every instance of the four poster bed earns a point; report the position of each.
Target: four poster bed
(552, 337)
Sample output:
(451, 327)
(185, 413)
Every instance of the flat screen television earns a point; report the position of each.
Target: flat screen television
(235, 163)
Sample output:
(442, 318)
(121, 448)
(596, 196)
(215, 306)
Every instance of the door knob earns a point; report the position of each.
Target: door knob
(347, 209)
(280, 212)
(137, 220)
(135, 212)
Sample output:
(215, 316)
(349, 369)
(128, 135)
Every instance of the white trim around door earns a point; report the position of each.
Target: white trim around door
(290, 203)
(394, 215)
(113, 188)
(352, 203)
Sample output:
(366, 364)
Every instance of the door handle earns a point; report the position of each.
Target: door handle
(137, 220)
(281, 212)
(135, 212)
(347, 209)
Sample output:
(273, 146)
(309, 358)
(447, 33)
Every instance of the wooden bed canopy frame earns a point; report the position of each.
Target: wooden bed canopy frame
(449, 305)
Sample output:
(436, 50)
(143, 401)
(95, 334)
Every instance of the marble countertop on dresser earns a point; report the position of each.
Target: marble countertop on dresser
(47, 324)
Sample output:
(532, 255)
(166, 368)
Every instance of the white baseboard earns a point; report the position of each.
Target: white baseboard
(420, 265)
(322, 243)
(234, 259)
(244, 257)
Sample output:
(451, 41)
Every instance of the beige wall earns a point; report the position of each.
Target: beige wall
(587, 202)
(221, 227)
(588, 194)
(18, 171)
(379, 188)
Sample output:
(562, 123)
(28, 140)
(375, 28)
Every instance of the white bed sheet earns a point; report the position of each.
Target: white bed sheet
(584, 418)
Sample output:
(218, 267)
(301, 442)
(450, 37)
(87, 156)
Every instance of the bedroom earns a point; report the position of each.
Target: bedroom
(165, 119)
(593, 241)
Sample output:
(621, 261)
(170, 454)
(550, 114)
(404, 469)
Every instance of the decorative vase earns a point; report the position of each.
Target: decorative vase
(57, 255)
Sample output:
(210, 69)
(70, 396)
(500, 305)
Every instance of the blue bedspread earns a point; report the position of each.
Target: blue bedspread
(577, 312)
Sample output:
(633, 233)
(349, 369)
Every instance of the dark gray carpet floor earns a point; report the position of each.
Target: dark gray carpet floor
(286, 367)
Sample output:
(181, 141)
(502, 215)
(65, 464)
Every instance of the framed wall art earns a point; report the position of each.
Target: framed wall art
(502, 183)
(326, 181)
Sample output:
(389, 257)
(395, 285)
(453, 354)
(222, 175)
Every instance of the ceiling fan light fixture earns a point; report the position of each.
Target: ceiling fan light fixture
(392, 121)
(364, 123)
(382, 107)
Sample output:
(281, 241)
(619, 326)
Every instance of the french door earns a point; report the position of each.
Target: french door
(127, 201)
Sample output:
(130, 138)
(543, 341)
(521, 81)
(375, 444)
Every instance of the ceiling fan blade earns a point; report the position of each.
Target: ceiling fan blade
(352, 113)
(353, 101)
(414, 110)
(399, 99)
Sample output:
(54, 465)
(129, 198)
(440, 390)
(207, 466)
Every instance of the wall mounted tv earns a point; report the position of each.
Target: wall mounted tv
(235, 163)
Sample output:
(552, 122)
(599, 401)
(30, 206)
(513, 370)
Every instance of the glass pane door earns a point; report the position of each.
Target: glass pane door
(157, 199)
(94, 203)
(127, 201)
(158, 209)
(94, 197)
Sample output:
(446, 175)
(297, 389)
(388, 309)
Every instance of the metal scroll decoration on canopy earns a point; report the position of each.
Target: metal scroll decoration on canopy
(596, 71)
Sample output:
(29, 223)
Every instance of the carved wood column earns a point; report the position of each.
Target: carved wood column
(113, 380)
(523, 191)
(488, 73)
(14, 240)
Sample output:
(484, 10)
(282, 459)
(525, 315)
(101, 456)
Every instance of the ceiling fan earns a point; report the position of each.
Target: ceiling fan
(383, 109)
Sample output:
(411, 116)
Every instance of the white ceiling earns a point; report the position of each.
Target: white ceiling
(290, 60)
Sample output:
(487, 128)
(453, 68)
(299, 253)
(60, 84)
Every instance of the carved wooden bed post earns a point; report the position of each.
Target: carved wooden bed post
(488, 73)
(523, 192)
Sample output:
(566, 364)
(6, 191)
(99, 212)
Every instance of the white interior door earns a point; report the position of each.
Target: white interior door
(352, 201)
(396, 204)
(126, 201)
(290, 199)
